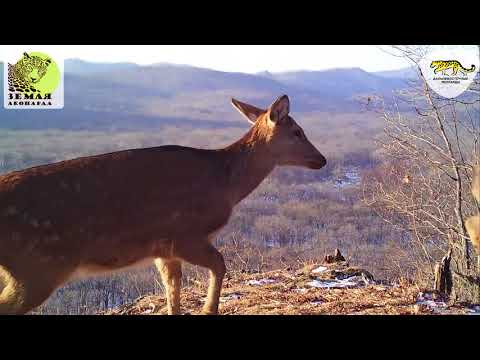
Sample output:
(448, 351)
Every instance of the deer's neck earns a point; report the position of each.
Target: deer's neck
(248, 162)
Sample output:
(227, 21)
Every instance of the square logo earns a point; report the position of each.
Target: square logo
(33, 80)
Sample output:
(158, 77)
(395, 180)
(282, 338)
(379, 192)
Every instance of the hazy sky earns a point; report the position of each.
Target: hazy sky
(239, 58)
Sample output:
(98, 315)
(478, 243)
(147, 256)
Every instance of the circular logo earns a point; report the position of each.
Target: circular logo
(34, 72)
(449, 71)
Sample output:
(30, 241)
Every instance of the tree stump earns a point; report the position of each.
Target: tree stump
(443, 276)
(337, 257)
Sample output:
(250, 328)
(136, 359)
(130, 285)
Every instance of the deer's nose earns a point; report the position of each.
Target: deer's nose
(317, 162)
(323, 160)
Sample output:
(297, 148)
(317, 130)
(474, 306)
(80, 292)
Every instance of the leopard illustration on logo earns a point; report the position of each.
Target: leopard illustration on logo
(454, 65)
(28, 71)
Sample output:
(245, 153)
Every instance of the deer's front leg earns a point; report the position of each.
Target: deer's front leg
(171, 273)
(205, 255)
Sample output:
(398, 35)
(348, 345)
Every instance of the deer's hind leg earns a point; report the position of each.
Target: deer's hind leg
(171, 273)
(11, 294)
(23, 291)
(473, 229)
(204, 254)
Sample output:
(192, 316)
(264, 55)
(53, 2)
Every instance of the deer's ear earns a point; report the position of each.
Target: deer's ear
(279, 109)
(249, 111)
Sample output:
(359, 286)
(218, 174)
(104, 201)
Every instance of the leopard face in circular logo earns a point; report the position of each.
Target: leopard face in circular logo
(33, 73)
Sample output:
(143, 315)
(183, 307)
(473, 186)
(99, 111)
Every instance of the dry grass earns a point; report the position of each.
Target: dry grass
(288, 295)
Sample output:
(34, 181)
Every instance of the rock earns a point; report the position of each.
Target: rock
(336, 257)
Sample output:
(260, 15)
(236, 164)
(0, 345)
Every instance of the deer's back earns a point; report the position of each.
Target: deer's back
(162, 192)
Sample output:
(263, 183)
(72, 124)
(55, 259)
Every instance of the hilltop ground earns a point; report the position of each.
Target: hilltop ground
(334, 288)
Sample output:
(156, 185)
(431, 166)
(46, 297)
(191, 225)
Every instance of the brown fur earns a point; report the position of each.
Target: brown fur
(473, 223)
(104, 213)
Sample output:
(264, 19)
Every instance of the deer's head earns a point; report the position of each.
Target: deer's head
(284, 139)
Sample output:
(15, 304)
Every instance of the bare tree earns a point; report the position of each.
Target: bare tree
(431, 145)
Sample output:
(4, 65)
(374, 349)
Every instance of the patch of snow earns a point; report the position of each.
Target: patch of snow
(353, 281)
(351, 177)
(233, 296)
(473, 310)
(300, 290)
(149, 310)
(433, 304)
(270, 198)
(367, 281)
(260, 282)
(424, 296)
(271, 243)
(428, 300)
(441, 307)
(319, 269)
(316, 302)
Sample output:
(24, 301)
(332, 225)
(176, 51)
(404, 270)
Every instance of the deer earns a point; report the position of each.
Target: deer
(164, 205)
(472, 224)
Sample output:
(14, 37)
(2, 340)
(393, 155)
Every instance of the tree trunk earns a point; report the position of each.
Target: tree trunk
(465, 276)
(443, 277)
(459, 278)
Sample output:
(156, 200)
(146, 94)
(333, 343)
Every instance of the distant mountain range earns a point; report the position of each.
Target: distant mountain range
(340, 82)
(405, 73)
(78, 66)
(130, 96)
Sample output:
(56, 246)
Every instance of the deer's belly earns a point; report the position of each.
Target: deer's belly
(123, 255)
(89, 270)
